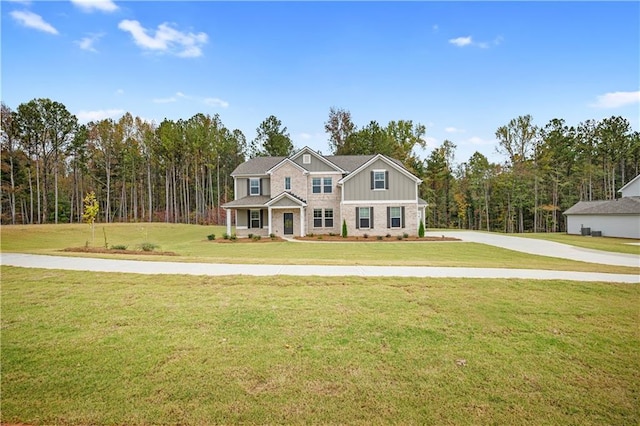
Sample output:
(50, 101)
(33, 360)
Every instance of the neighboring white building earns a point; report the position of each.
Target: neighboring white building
(612, 218)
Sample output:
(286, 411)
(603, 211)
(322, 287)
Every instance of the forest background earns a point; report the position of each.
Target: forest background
(179, 171)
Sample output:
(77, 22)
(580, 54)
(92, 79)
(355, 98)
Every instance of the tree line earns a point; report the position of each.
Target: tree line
(179, 171)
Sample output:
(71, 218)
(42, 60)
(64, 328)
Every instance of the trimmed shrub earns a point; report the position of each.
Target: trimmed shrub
(344, 228)
(148, 246)
(421, 230)
(225, 236)
(399, 237)
(405, 235)
(211, 237)
(366, 235)
(118, 247)
(379, 238)
(256, 237)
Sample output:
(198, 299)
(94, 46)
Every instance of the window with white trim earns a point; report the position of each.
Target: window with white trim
(306, 158)
(255, 219)
(316, 185)
(395, 217)
(328, 185)
(364, 217)
(287, 183)
(379, 179)
(317, 218)
(254, 186)
(328, 218)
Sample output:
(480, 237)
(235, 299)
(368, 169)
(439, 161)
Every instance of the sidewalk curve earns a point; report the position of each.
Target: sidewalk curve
(543, 248)
(213, 269)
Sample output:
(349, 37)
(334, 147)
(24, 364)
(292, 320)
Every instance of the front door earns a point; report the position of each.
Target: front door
(288, 224)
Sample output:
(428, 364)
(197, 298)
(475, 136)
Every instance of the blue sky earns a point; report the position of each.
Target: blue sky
(461, 68)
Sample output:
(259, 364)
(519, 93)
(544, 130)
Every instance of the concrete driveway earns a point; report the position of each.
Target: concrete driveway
(543, 248)
(212, 269)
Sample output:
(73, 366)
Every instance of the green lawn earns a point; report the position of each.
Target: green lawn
(190, 242)
(90, 348)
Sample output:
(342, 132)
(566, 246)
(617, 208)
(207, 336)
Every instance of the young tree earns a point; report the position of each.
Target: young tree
(91, 209)
(272, 140)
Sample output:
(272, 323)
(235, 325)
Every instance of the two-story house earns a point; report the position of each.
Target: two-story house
(311, 193)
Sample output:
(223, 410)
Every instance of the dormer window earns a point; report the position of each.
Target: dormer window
(254, 186)
(306, 158)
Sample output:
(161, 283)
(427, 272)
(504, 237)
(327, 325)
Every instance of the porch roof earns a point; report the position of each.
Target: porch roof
(248, 201)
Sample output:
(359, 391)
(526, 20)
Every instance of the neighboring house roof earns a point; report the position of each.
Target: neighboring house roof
(625, 205)
(422, 202)
(631, 182)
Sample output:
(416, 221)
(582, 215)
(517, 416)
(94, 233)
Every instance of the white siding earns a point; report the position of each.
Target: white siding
(624, 226)
(632, 190)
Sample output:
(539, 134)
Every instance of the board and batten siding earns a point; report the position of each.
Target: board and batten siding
(358, 187)
(242, 187)
(316, 165)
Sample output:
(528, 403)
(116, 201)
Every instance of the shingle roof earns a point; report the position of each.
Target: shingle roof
(256, 166)
(625, 205)
(249, 201)
(260, 165)
(349, 163)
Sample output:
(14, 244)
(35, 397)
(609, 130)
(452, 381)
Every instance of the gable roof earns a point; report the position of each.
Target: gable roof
(393, 163)
(307, 150)
(294, 198)
(625, 205)
(629, 183)
(286, 160)
(347, 164)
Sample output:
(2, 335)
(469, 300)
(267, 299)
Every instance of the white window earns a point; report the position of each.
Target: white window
(328, 185)
(287, 184)
(328, 218)
(317, 218)
(379, 179)
(254, 186)
(364, 217)
(316, 184)
(395, 217)
(255, 219)
(306, 158)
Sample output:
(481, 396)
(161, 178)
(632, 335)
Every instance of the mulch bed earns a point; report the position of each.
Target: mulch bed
(373, 239)
(103, 250)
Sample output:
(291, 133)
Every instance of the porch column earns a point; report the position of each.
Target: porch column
(302, 220)
(269, 216)
(228, 216)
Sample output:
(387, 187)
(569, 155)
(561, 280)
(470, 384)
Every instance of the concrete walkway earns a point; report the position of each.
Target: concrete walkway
(543, 248)
(212, 269)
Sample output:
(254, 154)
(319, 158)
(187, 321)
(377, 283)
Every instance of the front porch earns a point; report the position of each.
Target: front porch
(283, 216)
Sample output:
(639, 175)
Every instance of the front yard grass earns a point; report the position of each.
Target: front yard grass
(91, 348)
(191, 244)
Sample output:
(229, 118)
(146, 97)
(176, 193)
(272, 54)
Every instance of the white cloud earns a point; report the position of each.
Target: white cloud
(216, 102)
(304, 136)
(166, 39)
(86, 116)
(475, 140)
(616, 99)
(461, 41)
(453, 130)
(120, 92)
(165, 100)
(468, 41)
(32, 20)
(86, 43)
(91, 5)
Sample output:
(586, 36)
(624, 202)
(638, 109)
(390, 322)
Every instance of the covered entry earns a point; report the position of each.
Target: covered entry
(287, 215)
